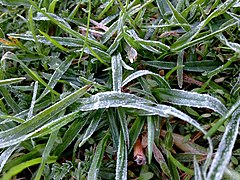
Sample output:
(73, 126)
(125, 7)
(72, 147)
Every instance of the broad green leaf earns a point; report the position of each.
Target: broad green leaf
(224, 151)
(97, 158)
(19, 168)
(190, 99)
(21, 132)
(117, 72)
(11, 81)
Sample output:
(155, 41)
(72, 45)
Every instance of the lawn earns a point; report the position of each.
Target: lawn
(119, 89)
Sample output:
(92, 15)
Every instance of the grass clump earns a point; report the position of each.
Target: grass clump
(119, 89)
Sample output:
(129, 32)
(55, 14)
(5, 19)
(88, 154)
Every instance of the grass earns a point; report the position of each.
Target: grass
(119, 89)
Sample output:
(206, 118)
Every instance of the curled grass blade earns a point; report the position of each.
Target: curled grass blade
(142, 73)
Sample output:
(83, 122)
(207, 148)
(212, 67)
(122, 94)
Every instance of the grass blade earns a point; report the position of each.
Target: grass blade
(193, 99)
(11, 81)
(121, 168)
(18, 133)
(97, 159)
(224, 151)
(117, 72)
(151, 134)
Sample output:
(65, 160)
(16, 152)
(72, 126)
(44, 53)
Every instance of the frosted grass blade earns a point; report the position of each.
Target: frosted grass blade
(151, 134)
(121, 166)
(224, 151)
(11, 81)
(46, 154)
(180, 69)
(142, 73)
(20, 132)
(124, 125)
(30, 113)
(5, 155)
(190, 99)
(97, 159)
(91, 127)
(179, 17)
(117, 72)
(58, 73)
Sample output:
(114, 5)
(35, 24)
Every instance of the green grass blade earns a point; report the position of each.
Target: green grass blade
(17, 169)
(32, 28)
(53, 41)
(70, 135)
(223, 118)
(10, 101)
(135, 131)
(179, 17)
(11, 81)
(14, 2)
(18, 133)
(111, 114)
(97, 158)
(46, 154)
(65, 28)
(224, 151)
(30, 113)
(32, 74)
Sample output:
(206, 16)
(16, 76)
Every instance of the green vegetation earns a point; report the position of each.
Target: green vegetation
(119, 89)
